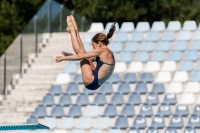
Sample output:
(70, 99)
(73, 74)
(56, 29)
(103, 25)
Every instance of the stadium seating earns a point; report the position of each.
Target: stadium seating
(154, 87)
(127, 27)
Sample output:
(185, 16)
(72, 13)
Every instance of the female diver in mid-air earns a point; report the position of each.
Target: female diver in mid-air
(93, 77)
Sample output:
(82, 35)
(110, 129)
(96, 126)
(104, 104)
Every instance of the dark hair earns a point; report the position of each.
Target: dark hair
(100, 37)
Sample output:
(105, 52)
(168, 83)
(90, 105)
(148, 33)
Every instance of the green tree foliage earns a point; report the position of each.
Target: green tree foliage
(136, 10)
(14, 15)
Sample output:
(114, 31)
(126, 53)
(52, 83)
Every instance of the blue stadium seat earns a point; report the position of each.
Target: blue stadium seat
(186, 66)
(195, 45)
(128, 111)
(88, 37)
(152, 130)
(182, 110)
(195, 76)
(170, 99)
(127, 27)
(147, 78)
(40, 112)
(65, 100)
(106, 88)
(100, 99)
(55, 90)
(158, 88)
(158, 122)
(164, 110)
(169, 36)
(87, 46)
(57, 111)
(141, 88)
(176, 122)
(142, 56)
(125, 57)
(152, 98)
(75, 111)
(124, 88)
(197, 110)
(121, 37)
(70, 68)
(170, 130)
(189, 130)
(189, 25)
(174, 56)
(143, 26)
(137, 37)
(194, 121)
(131, 47)
(158, 26)
(110, 111)
(108, 25)
(102, 123)
(134, 130)
(88, 92)
(48, 100)
(50, 122)
(134, 99)
(121, 123)
(32, 120)
(117, 99)
(82, 100)
(153, 36)
(184, 36)
(158, 56)
(129, 78)
(198, 66)
(139, 122)
(72, 89)
(147, 47)
(163, 46)
(114, 78)
(174, 26)
(180, 46)
(191, 55)
(78, 79)
(116, 47)
(146, 110)
(66, 123)
(197, 35)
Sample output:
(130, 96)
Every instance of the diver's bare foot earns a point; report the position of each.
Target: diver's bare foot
(66, 53)
(74, 22)
(70, 27)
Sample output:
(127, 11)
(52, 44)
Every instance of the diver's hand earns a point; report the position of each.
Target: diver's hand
(59, 58)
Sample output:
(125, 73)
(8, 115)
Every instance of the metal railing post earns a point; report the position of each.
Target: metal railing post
(49, 17)
(82, 23)
(61, 18)
(4, 74)
(21, 53)
(36, 35)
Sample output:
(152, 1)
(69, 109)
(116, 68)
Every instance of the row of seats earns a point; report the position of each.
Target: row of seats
(124, 88)
(153, 36)
(163, 46)
(114, 130)
(139, 122)
(137, 67)
(145, 26)
(162, 77)
(111, 111)
(160, 56)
